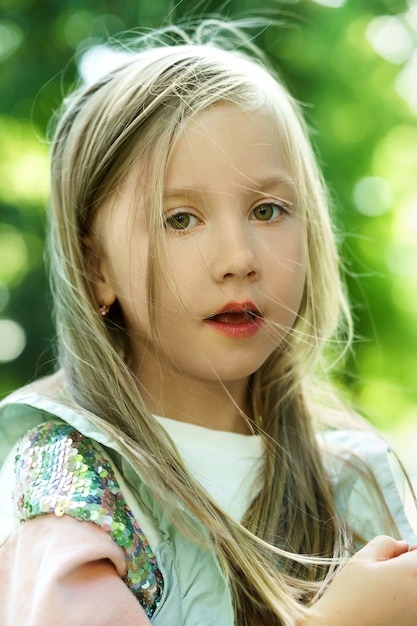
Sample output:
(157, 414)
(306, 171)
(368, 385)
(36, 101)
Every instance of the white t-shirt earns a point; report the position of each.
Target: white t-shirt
(227, 465)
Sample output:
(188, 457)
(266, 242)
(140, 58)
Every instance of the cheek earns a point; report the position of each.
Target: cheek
(130, 284)
(183, 274)
(288, 269)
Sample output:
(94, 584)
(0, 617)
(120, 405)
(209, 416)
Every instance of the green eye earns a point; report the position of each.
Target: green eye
(178, 221)
(266, 212)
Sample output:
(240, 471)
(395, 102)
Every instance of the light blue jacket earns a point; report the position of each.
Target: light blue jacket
(195, 592)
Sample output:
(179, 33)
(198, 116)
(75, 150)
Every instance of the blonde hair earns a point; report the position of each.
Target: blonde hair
(133, 116)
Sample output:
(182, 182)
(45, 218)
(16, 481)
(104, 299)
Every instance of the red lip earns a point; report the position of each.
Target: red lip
(238, 320)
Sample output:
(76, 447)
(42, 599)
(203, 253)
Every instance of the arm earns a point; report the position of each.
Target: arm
(61, 571)
(377, 587)
(63, 474)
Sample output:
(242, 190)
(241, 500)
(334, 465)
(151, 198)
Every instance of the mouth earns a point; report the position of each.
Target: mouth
(237, 319)
(237, 313)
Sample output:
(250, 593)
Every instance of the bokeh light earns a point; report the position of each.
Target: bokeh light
(333, 4)
(12, 340)
(98, 60)
(11, 37)
(23, 165)
(13, 255)
(391, 38)
(372, 196)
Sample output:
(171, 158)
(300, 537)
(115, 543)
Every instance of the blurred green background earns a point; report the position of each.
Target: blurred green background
(354, 66)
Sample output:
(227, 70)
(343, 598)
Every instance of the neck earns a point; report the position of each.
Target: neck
(214, 405)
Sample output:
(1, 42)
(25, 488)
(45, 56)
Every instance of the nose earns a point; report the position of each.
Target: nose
(234, 255)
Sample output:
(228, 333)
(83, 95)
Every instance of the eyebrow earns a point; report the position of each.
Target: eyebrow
(272, 181)
(255, 186)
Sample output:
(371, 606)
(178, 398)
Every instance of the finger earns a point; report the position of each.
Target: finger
(382, 548)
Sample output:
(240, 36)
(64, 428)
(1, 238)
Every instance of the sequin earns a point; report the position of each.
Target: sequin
(59, 471)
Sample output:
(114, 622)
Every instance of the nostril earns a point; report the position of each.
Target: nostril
(251, 275)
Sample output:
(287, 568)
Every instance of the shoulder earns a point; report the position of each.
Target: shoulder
(60, 471)
(43, 401)
(362, 448)
(52, 387)
(371, 489)
(25, 408)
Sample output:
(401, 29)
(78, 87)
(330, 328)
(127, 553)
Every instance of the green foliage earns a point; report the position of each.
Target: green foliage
(365, 132)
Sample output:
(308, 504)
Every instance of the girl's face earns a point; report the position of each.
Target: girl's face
(233, 257)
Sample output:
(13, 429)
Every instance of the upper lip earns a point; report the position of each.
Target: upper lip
(247, 308)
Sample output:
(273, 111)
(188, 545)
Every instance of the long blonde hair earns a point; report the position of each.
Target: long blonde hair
(132, 116)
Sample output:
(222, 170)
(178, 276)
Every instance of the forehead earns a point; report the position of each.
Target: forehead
(227, 144)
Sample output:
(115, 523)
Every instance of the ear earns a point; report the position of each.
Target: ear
(99, 275)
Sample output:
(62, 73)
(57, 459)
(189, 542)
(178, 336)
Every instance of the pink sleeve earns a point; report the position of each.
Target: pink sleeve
(57, 570)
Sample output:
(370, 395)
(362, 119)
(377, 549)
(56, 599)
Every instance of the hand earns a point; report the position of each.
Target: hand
(377, 587)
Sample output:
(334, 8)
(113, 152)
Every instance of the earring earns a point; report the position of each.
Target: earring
(104, 309)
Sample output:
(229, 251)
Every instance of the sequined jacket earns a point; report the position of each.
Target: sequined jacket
(59, 470)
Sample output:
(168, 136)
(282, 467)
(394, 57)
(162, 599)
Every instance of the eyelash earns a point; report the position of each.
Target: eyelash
(173, 218)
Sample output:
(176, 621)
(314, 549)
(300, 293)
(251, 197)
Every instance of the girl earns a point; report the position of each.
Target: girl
(180, 468)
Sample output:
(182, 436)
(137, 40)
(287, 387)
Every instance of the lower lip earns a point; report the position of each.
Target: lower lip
(237, 331)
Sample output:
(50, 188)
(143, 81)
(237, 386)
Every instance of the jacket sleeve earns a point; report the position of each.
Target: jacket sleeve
(57, 570)
(371, 489)
(76, 534)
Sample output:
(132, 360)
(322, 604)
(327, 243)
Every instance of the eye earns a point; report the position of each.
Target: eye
(267, 212)
(183, 220)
